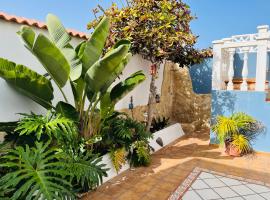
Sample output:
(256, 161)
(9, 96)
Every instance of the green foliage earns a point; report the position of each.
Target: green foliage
(118, 157)
(49, 55)
(140, 154)
(121, 131)
(90, 74)
(61, 39)
(158, 30)
(239, 129)
(84, 169)
(51, 125)
(35, 174)
(159, 123)
(28, 82)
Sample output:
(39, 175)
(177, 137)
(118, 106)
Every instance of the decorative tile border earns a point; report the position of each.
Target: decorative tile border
(181, 190)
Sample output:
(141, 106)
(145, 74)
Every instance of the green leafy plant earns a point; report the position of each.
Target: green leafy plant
(121, 131)
(84, 169)
(238, 130)
(51, 125)
(159, 123)
(89, 73)
(140, 154)
(35, 173)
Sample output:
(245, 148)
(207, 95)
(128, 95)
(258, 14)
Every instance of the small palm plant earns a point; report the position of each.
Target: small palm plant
(237, 132)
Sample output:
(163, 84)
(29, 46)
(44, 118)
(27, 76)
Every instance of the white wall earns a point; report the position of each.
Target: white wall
(11, 102)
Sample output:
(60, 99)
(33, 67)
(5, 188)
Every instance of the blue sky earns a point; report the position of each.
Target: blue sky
(216, 18)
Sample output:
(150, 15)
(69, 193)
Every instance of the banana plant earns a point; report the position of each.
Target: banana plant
(85, 68)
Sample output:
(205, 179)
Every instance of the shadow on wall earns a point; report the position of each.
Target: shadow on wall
(223, 102)
(201, 76)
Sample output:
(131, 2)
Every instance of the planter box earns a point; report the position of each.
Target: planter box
(167, 136)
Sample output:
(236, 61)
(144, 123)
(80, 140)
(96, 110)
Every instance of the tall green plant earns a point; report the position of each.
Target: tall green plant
(89, 74)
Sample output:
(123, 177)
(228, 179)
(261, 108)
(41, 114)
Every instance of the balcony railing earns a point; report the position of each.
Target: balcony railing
(224, 50)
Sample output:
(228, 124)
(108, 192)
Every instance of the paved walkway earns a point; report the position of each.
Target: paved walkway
(173, 164)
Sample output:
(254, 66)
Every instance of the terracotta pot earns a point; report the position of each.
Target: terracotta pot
(232, 150)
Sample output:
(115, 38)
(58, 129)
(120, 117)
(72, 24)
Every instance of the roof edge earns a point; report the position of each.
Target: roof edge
(37, 24)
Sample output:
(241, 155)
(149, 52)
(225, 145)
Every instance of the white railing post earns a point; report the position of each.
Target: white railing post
(244, 85)
(262, 40)
(231, 70)
(217, 64)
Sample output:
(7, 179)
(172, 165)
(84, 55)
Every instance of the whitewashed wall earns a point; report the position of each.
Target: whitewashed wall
(11, 102)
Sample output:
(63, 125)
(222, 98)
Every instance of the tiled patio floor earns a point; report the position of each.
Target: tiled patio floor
(173, 164)
(203, 184)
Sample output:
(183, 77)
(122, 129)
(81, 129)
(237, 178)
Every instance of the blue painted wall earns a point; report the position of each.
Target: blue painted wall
(252, 103)
(201, 77)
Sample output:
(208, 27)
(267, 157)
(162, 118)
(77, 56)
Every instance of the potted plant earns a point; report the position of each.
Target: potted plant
(237, 132)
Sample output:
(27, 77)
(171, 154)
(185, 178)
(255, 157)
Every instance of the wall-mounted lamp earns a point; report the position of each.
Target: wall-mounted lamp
(131, 105)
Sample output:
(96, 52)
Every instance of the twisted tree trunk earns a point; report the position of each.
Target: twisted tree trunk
(152, 99)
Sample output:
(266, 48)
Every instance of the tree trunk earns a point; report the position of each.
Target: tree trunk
(151, 101)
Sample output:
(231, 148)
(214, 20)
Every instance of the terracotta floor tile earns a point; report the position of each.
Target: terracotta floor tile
(171, 165)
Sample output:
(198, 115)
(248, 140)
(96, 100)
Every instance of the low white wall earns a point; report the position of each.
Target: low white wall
(168, 135)
(11, 102)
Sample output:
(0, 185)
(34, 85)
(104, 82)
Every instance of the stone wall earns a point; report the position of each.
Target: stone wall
(178, 101)
(192, 110)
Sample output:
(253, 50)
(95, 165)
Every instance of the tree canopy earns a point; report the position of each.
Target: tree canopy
(157, 29)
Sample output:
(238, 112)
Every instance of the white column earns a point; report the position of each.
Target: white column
(244, 85)
(261, 66)
(217, 64)
(231, 70)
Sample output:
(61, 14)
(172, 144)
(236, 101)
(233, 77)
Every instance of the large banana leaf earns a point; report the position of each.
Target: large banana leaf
(30, 83)
(106, 105)
(93, 48)
(118, 70)
(61, 39)
(123, 88)
(57, 31)
(77, 90)
(48, 54)
(106, 70)
(110, 98)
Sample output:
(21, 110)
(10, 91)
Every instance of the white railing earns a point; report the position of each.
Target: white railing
(223, 59)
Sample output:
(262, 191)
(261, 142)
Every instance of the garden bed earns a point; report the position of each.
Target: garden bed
(167, 135)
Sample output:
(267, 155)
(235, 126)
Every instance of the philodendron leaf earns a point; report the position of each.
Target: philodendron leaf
(93, 48)
(123, 88)
(67, 110)
(106, 70)
(61, 39)
(30, 83)
(48, 54)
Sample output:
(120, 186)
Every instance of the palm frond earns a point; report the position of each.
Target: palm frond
(242, 143)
